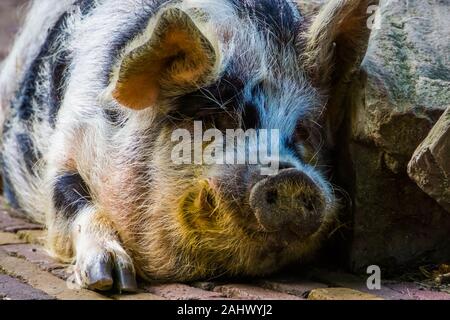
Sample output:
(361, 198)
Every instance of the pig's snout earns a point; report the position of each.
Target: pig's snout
(288, 201)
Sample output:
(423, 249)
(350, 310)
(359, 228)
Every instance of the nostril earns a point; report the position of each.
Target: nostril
(309, 204)
(272, 196)
(286, 165)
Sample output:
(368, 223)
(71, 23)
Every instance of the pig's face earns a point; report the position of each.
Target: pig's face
(232, 217)
(194, 79)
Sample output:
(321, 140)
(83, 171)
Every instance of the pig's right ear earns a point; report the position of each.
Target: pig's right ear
(172, 57)
(337, 40)
(334, 46)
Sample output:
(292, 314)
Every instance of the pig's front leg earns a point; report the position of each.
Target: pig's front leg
(101, 263)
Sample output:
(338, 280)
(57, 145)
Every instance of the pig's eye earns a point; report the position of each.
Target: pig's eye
(302, 133)
(306, 141)
(216, 105)
(198, 108)
(250, 116)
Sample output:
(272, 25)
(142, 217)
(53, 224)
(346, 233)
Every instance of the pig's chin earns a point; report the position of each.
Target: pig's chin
(218, 239)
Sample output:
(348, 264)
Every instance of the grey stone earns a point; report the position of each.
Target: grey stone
(430, 164)
(400, 94)
(13, 289)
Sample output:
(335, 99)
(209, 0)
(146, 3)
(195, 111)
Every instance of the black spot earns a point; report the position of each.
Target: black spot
(26, 147)
(277, 16)
(217, 105)
(22, 103)
(85, 6)
(250, 116)
(57, 89)
(58, 60)
(272, 196)
(114, 117)
(222, 97)
(70, 194)
(8, 189)
(61, 62)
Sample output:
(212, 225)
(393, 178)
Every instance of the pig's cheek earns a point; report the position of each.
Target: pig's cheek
(197, 208)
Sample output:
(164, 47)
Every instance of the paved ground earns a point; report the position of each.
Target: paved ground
(27, 272)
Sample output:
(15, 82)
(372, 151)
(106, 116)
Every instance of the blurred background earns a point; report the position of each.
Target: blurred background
(10, 16)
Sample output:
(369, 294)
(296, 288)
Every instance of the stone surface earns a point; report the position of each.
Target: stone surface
(9, 238)
(34, 254)
(345, 280)
(137, 297)
(412, 291)
(13, 289)
(340, 294)
(9, 223)
(63, 273)
(401, 93)
(249, 292)
(430, 164)
(181, 292)
(204, 285)
(296, 287)
(32, 236)
(42, 280)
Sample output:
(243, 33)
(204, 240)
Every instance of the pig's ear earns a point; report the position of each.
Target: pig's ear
(173, 56)
(337, 40)
(335, 45)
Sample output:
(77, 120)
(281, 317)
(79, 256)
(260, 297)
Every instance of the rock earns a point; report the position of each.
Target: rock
(42, 280)
(340, 294)
(412, 291)
(137, 297)
(430, 164)
(10, 223)
(400, 94)
(408, 76)
(9, 238)
(13, 289)
(32, 236)
(249, 292)
(296, 287)
(34, 254)
(175, 291)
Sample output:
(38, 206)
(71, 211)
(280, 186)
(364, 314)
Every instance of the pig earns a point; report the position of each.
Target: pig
(93, 91)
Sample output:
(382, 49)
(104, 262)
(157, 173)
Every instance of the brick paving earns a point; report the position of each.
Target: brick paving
(28, 273)
(13, 289)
